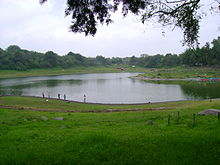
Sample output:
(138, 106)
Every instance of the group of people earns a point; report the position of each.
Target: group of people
(64, 96)
(59, 96)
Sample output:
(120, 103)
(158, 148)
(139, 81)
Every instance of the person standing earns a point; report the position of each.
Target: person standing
(84, 98)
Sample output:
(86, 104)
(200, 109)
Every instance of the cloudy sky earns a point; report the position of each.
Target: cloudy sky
(41, 28)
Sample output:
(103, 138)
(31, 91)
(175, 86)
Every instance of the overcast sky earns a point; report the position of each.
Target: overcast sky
(41, 28)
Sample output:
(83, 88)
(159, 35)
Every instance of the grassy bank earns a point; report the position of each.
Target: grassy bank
(61, 71)
(163, 73)
(182, 73)
(34, 137)
(54, 105)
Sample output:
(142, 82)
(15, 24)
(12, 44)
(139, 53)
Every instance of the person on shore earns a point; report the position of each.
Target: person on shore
(43, 94)
(64, 96)
(84, 98)
(58, 96)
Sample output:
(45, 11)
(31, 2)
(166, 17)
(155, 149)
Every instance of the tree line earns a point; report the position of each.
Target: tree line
(15, 58)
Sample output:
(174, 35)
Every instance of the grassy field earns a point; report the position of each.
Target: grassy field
(54, 105)
(34, 137)
(61, 71)
(183, 72)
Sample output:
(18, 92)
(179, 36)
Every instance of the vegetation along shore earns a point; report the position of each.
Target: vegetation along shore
(182, 73)
(17, 62)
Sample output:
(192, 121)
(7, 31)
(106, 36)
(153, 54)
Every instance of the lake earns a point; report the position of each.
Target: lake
(115, 88)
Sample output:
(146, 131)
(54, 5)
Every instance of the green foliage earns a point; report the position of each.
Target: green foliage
(50, 60)
(100, 60)
(13, 48)
(205, 56)
(15, 58)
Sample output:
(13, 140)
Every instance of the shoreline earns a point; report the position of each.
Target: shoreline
(80, 107)
(177, 79)
(165, 79)
(111, 104)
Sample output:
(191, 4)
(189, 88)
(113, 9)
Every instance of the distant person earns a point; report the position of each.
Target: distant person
(58, 96)
(64, 96)
(84, 98)
(43, 94)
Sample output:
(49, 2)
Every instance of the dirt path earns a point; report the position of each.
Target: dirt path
(87, 111)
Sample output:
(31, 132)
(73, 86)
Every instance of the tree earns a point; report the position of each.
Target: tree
(86, 14)
(13, 48)
(171, 60)
(116, 60)
(50, 59)
(133, 60)
(100, 60)
(189, 57)
(76, 59)
(216, 51)
(154, 61)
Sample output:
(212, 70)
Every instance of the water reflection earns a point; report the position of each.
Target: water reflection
(108, 88)
(202, 89)
(197, 90)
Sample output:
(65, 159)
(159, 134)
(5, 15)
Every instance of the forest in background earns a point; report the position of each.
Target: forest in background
(15, 58)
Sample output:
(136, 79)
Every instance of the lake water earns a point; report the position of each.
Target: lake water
(107, 88)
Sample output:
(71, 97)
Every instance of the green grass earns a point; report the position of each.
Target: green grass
(61, 71)
(34, 137)
(54, 105)
(183, 72)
